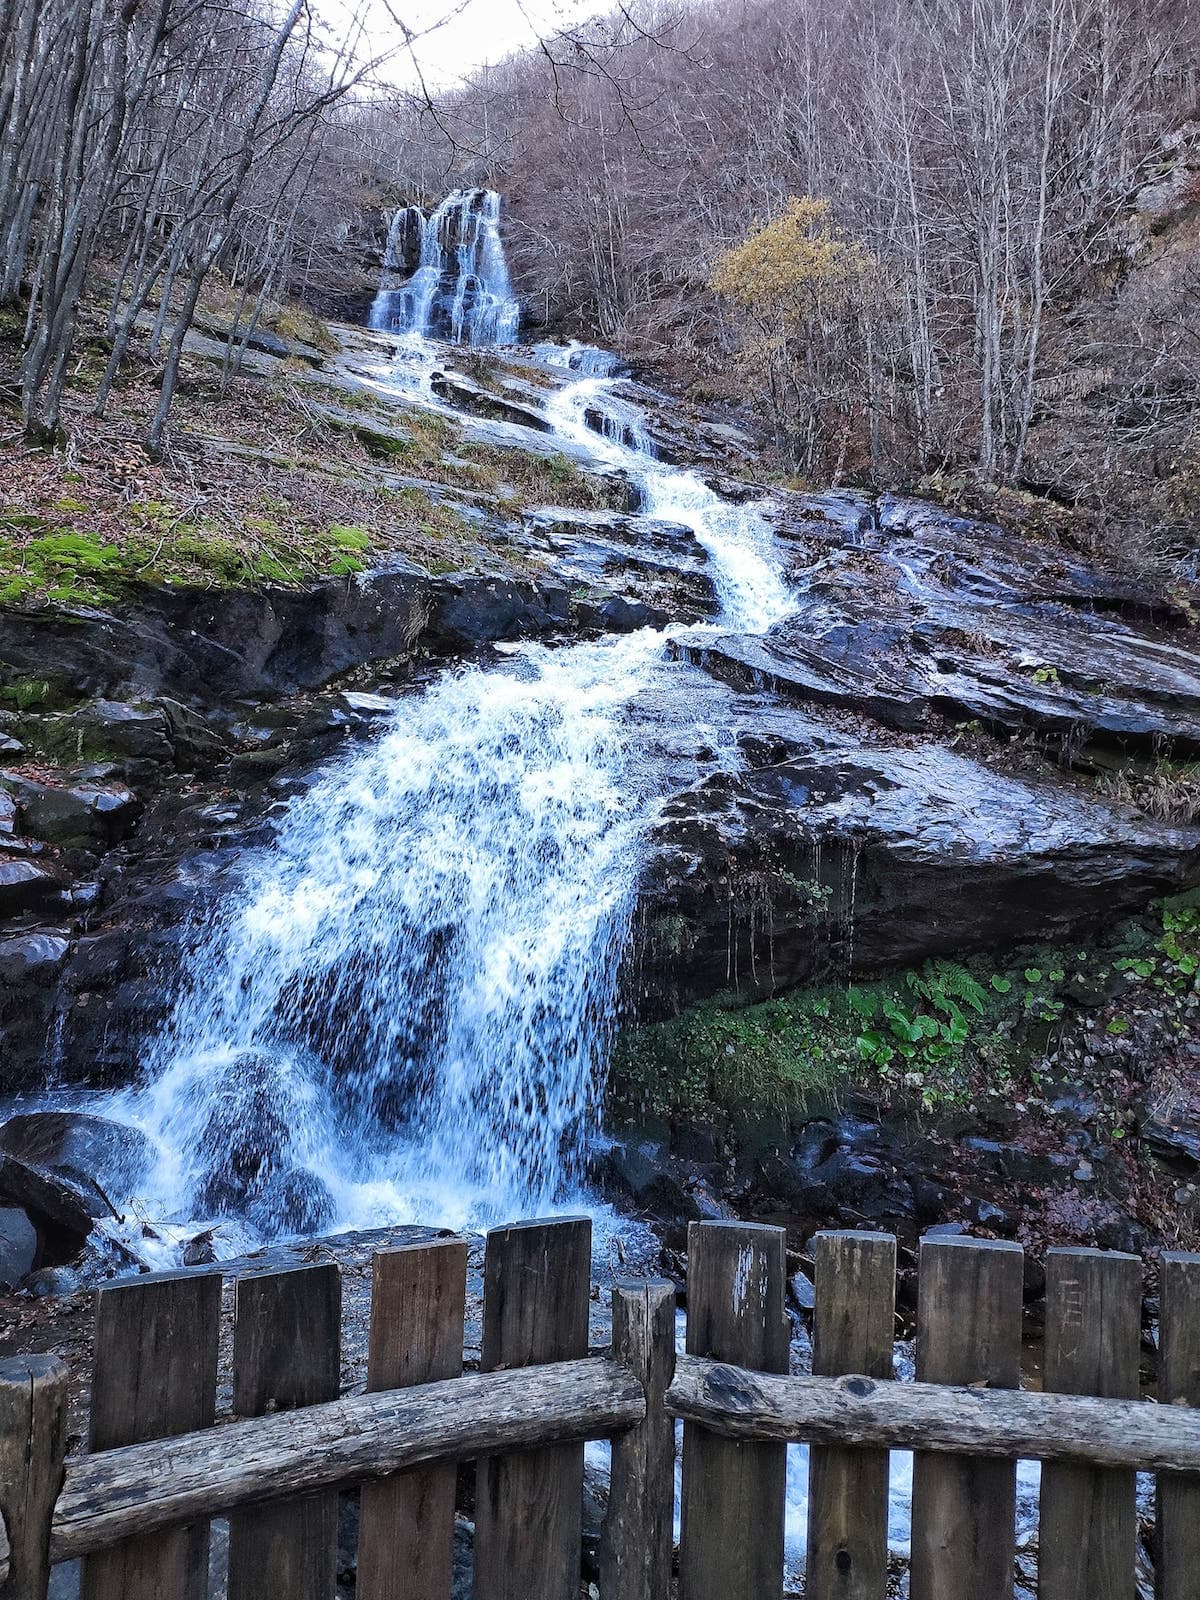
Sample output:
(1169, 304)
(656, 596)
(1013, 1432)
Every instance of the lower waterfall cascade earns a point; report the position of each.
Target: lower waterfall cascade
(404, 1008)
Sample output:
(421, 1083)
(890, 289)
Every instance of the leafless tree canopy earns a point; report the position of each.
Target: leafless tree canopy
(148, 144)
(986, 154)
(1025, 317)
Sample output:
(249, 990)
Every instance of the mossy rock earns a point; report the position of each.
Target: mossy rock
(256, 767)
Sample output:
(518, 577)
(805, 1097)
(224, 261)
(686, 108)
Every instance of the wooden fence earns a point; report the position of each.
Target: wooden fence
(137, 1508)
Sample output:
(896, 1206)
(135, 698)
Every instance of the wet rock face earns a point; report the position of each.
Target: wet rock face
(853, 834)
(916, 618)
(828, 852)
(207, 647)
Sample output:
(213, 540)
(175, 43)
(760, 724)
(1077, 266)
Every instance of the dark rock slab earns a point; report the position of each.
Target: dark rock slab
(35, 957)
(142, 731)
(913, 617)
(83, 813)
(77, 1147)
(829, 853)
(208, 646)
(464, 394)
(18, 1246)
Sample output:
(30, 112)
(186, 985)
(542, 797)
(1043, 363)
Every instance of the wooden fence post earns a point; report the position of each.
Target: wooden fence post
(854, 1326)
(731, 1544)
(529, 1507)
(969, 1303)
(33, 1432)
(1178, 1384)
(286, 1353)
(154, 1375)
(406, 1522)
(635, 1544)
(1088, 1537)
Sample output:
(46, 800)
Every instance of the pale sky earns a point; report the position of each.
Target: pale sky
(472, 32)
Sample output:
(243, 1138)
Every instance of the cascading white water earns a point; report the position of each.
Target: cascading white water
(585, 359)
(403, 1012)
(461, 290)
(744, 566)
(405, 1007)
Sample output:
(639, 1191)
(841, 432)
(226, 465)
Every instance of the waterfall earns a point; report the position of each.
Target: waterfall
(461, 290)
(403, 1010)
(751, 589)
(408, 1002)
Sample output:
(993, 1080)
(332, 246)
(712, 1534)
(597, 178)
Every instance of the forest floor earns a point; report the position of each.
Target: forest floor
(296, 471)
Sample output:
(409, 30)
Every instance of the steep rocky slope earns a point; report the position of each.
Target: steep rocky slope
(959, 739)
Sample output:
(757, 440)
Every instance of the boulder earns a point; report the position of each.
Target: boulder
(660, 1185)
(35, 958)
(27, 886)
(141, 731)
(195, 742)
(248, 1161)
(1174, 1137)
(59, 1168)
(88, 1151)
(86, 813)
(62, 1205)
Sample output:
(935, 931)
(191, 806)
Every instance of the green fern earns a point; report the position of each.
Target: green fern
(943, 984)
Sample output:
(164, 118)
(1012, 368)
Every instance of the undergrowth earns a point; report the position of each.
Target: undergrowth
(942, 1034)
(433, 448)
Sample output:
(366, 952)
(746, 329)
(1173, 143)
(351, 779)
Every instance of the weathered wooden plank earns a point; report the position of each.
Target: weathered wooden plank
(940, 1417)
(731, 1544)
(286, 1353)
(635, 1544)
(33, 1431)
(406, 1523)
(529, 1508)
(154, 1376)
(142, 1487)
(1178, 1561)
(854, 1325)
(1088, 1537)
(969, 1302)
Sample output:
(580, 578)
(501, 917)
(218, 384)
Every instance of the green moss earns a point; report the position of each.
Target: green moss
(61, 566)
(26, 692)
(942, 1034)
(73, 567)
(385, 446)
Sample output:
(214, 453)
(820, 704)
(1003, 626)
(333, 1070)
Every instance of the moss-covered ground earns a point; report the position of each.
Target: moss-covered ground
(945, 1035)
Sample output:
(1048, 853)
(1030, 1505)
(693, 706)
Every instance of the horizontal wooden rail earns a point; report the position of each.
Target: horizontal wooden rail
(931, 1416)
(137, 1489)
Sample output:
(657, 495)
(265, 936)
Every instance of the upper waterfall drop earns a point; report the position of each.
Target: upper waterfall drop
(460, 291)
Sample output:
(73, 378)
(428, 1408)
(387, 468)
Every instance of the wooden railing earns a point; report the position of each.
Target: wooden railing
(138, 1506)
